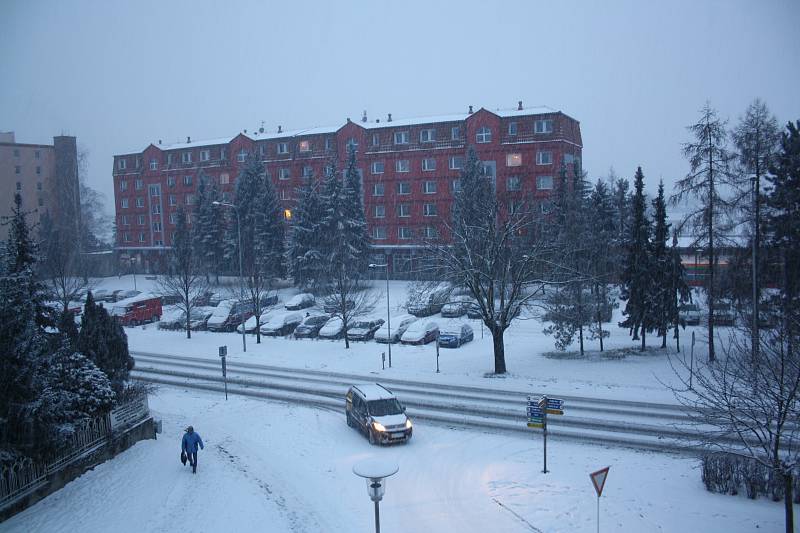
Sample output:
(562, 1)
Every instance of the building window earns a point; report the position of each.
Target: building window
(126, 237)
(403, 187)
(283, 174)
(431, 232)
(545, 207)
(173, 218)
(154, 162)
(380, 211)
(513, 183)
(123, 185)
(512, 128)
(283, 148)
(187, 180)
(170, 181)
(401, 137)
(484, 135)
(402, 165)
(456, 162)
(125, 220)
(141, 220)
(404, 210)
(173, 201)
(138, 185)
(378, 189)
(377, 167)
(156, 209)
(285, 194)
(456, 185)
(205, 155)
(455, 133)
(428, 164)
(223, 154)
(429, 187)
(544, 158)
(305, 146)
(16, 152)
(226, 197)
(140, 202)
(169, 159)
(379, 233)
(544, 183)
(39, 170)
(37, 154)
(376, 139)
(157, 226)
(19, 185)
(429, 210)
(328, 143)
(489, 169)
(159, 242)
(17, 169)
(224, 178)
(543, 126)
(241, 156)
(308, 172)
(186, 157)
(403, 233)
(124, 203)
(122, 164)
(513, 160)
(155, 190)
(261, 150)
(189, 199)
(38, 185)
(141, 237)
(427, 135)
(138, 162)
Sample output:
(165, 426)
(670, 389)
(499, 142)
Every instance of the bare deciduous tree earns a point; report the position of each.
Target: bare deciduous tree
(350, 297)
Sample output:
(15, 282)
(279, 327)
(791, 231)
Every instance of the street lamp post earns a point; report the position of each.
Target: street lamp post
(241, 275)
(375, 472)
(388, 309)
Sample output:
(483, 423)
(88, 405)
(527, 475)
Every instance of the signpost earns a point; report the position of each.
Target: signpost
(223, 352)
(599, 481)
(537, 412)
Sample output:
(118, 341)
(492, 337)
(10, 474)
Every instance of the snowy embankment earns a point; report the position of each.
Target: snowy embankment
(269, 466)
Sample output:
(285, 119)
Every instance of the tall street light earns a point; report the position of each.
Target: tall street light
(375, 471)
(241, 276)
(388, 317)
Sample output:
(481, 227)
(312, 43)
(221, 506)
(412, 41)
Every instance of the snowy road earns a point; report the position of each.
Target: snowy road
(271, 466)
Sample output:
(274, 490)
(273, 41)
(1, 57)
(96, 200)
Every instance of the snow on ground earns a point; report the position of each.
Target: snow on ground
(270, 466)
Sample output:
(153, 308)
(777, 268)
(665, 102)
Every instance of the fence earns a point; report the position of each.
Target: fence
(25, 476)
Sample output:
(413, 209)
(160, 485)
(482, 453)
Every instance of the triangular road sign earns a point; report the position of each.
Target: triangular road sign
(599, 480)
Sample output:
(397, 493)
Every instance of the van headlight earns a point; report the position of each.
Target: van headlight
(408, 423)
(378, 426)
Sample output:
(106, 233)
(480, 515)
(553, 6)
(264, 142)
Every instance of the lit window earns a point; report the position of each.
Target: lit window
(287, 214)
(378, 189)
(153, 164)
(484, 135)
(283, 148)
(456, 162)
(305, 146)
(379, 233)
(429, 210)
(427, 136)
(428, 164)
(403, 233)
(402, 165)
(543, 126)
(513, 160)
(377, 167)
(403, 187)
(513, 183)
(512, 128)
(401, 137)
(404, 210)
(544, 183)
(380, 211)
(544, 158)
(205, 155)
(429, 187)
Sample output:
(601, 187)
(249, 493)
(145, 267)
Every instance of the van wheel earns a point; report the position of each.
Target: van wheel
(372, 439)
(155, 318)
(349, 419)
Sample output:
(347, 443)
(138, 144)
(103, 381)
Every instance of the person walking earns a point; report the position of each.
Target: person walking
(191, 440)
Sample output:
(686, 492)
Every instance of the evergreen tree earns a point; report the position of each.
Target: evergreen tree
(306, 248)
(208, 228)
(105, 343)
(637, 281)
(679, 292)
(601, 234)
(354, 224)
(662, 265)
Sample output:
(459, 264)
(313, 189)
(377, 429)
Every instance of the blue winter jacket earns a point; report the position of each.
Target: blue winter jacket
(190, 442)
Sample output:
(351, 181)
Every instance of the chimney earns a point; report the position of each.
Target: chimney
(188, 140)
(364, 116)
(159, 142)
(390, 118)
(245, 130)
(519, 105)
(470, 110)
(280, 130)
(261, 129)
(377, 121)
(348, 120)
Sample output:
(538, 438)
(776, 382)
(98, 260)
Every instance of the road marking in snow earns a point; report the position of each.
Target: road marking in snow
(518, 517)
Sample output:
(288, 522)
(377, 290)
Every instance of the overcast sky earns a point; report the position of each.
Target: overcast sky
(119, 75)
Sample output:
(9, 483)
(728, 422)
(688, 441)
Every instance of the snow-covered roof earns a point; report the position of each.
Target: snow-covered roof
(194, 144)
(133, 299)
(373, 391)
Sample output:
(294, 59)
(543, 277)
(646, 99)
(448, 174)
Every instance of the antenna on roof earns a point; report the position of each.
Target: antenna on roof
(364, 116)
(188, 139)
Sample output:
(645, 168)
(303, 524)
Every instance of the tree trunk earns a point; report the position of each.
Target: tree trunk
(677, 338)
(258, 329)
(787, 501)
(580, 336)
(188, 328)
(643, 334)
(711, 262)
(664, 338)
(600, 329)
(756, 245)
(499, 350)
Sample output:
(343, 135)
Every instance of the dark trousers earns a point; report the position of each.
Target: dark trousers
(192, 456)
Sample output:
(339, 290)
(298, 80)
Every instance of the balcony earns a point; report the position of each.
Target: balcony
(416, 146)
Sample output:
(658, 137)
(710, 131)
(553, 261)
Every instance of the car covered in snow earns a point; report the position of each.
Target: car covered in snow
(172, 319)
(101, 295)
(375, 411)
(334, 305)
(249, 325)
(457, 306)
(281, 323)
(399, 324)
(364, 329)
(300, 301)
(333, 329)
(456, 335)
(420, 332)
(228, 314)
(310, 326)
(690, 314)
(429, 301)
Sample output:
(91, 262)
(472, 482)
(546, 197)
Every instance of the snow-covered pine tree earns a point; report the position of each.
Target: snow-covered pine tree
(305, 254)
(661, 266)
(601, 233)
(105, 343)
(636, 282)
(354, 224)
(208, 228)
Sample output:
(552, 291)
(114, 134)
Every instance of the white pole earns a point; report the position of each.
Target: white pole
(598, 514)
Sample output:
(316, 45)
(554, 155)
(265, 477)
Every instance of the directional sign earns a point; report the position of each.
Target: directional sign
(535, 424)
(534, 409)
(599, 480)
(555, 403)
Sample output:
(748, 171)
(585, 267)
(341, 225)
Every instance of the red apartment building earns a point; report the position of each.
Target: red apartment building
(409, 168)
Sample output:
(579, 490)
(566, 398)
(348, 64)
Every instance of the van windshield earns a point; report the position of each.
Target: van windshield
(388, 406)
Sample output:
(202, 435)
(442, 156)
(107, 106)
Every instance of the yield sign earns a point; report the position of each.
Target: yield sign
(599, 480)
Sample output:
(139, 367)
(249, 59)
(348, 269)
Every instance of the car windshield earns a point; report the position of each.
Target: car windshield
(388, 406)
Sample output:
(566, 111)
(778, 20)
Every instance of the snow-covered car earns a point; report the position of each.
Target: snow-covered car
(300, 301)
(473, 309)
(399, 324)
(333, 305)
(724, 314)
(456, 335)
(420, 332)
(199, 317)
(457, 306)
(249, 325)
(363, 330)
(124, 295)
(227, 315)
(101, 295)
(690, 314)
(333, 329)
(375, 411)
(429, 302)
(281, 323)
(310, 326)
(172, 319)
